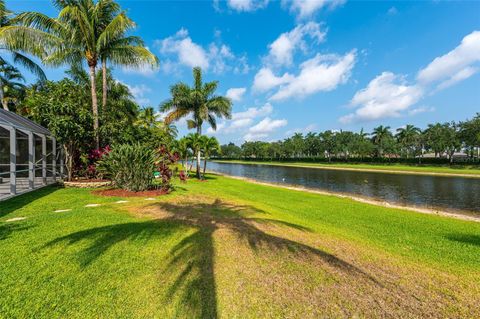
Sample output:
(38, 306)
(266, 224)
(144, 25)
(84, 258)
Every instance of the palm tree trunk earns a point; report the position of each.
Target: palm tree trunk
(94, 105)
(2, 97)
(104, 84)
(199, 132)
(204, 165)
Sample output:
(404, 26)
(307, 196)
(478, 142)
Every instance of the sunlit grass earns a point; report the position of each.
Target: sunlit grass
(228, 248)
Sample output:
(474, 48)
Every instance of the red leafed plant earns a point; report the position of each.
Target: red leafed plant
(166, 167)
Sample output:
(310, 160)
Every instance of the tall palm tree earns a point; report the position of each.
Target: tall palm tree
(82, 31)
(408, 136)
(198, 101)
(16, 53)
(209, 145)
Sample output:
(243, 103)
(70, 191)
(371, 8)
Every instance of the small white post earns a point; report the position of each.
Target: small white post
(54, 158)
(61, 162)
(13, 161)
(44, 160)
(31, 161)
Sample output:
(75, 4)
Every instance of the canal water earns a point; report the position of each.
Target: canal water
(453, 194)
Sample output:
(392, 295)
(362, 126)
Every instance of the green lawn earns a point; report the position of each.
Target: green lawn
(232, 249)
(472, 170)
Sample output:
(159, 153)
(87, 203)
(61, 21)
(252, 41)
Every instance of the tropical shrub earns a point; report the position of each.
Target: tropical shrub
(130, 167)
(166, 166)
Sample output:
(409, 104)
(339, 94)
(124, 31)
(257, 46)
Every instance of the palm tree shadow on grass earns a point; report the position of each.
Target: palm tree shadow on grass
(191, 261)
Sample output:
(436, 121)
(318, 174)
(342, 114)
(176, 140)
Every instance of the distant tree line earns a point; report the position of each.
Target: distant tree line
(439, 142)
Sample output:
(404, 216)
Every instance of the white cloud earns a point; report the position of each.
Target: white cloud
(392, 11)
(421, 109)
(309, 128)
(265, 80)
(243, 119)
(189, 53)
(247, 5)
(139, 91)
(236, 94)
(180, 49)
(282, 49)
(253, 112)
(264, 128)
(387, 95)
(306, 8)
(321, 73)
(454, 66)
(144, 70)
(458, 77)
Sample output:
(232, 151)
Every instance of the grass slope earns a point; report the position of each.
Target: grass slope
(228, 248)
(472, 170)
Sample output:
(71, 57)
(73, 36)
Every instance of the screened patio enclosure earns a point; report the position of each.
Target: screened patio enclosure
(29, 155)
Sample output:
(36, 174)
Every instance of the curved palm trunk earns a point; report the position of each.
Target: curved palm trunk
(199, 131)
(94, 105)
(104, 84)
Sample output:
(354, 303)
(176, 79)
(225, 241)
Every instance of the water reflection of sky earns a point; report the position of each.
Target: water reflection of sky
(447, 193)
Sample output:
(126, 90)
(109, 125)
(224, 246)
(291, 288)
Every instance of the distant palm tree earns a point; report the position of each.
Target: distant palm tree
(10, 80)
(209, 145)
(198, 101)
(379, 135)
(182, 146)
(195, 144)
(408, 136)
(147, 117)
(83, 31)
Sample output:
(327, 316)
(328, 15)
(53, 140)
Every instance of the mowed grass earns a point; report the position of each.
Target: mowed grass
(232, 249)
(472, 170)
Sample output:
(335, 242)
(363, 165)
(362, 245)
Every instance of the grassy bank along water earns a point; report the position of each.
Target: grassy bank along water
(465, 171)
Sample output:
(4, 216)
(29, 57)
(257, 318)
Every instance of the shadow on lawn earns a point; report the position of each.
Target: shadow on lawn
(465, 238)
(10, 205)
(6, 229)
(191, 261)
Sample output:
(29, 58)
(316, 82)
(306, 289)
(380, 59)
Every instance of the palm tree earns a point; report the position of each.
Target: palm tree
(16, 54)
(379, 135)
(182, 146)
(83, 31)
(195, 144)
(209, 145)
(198, 101)
(408, 136)
(10, 80)
(147, 117)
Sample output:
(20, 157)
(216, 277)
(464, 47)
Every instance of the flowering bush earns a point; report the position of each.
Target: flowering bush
(166, 165)
(90, 161)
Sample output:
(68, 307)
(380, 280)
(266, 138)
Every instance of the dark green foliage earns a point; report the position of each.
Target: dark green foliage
(130, 166)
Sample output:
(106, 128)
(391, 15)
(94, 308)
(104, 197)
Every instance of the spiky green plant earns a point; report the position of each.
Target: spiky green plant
(131, 167)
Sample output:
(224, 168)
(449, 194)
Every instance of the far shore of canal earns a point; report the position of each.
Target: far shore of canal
(431, 211)
(373, 168)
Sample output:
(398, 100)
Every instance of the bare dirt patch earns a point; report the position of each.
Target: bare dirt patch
(124, 193)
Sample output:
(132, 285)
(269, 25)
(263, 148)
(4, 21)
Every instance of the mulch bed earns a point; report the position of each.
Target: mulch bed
(125, 193)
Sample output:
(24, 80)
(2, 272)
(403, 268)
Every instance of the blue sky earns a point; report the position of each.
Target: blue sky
(310, 65)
